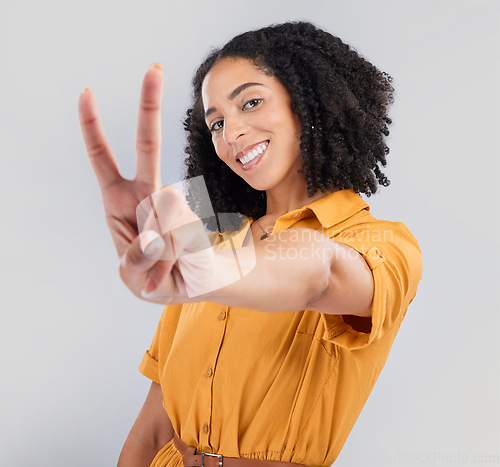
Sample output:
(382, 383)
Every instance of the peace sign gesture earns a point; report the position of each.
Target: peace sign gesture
(168, 265)
(142, 274)
(121, 196)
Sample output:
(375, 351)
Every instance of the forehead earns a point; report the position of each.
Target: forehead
(226, 75)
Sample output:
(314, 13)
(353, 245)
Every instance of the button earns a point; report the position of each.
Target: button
(379, 253)
(222, 315)
(208, 372)
(295, 215)
(205, 428)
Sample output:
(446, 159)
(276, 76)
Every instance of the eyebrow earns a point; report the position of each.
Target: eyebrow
(236, 91)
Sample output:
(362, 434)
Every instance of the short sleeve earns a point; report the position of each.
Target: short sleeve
(395, 260)
(160, 346)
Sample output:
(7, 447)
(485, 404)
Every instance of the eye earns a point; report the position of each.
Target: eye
(216, 126)
(251, 103)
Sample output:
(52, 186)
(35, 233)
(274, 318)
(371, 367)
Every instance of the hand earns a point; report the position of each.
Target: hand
(121, 196)
(168, 265)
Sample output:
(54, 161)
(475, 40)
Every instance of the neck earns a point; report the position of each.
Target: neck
(281, 200)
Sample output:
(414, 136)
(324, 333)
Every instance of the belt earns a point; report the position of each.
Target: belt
(191, 458)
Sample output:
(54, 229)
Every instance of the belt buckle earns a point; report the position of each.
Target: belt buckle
(203, 454)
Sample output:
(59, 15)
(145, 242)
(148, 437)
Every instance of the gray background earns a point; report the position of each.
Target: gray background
(72, 335)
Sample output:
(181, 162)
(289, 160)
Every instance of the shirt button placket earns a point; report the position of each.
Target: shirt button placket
(209, 374)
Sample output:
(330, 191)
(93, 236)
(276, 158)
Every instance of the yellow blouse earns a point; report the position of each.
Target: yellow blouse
(284, 386)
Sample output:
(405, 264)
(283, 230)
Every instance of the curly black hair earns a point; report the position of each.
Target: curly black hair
(342, 101)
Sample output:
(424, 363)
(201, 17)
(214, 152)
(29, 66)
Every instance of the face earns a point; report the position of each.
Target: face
(254, 130)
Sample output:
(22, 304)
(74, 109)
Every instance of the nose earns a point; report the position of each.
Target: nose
(234, 127)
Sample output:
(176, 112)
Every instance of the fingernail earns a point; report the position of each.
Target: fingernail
(152, 244)
(147, 295)
(147, 237)
(157, 66)
(154, 250)
(87, 90)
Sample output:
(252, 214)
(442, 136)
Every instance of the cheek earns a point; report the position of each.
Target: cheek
(220, 149)
(285, 122)
(276, 119)
(295, 126)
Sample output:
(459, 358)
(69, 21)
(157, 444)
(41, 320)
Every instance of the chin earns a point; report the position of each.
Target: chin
(259, 185)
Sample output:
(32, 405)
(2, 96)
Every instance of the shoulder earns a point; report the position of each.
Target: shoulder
(383, 242)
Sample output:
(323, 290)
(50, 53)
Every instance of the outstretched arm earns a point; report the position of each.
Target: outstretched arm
(336, 281)
(302, 269)
(293, 270)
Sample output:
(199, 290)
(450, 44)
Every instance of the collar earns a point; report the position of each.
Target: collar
(336, 207)
(332, 208)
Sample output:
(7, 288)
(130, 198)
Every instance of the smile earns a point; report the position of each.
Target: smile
(253, 155)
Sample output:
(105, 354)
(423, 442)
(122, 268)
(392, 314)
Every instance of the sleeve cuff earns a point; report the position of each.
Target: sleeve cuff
(339, 332)
(149, 367)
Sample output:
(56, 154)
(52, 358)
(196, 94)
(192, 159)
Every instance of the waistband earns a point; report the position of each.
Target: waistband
(192, 458)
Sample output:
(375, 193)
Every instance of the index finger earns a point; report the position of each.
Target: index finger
(98, 149)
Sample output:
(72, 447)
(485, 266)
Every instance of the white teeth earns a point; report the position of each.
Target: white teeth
(254, 153)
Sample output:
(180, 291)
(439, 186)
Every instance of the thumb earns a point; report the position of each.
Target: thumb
(152, 244)
(142, 253)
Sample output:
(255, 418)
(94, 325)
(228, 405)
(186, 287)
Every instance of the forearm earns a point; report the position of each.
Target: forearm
(138, 450)
(291, 269)
(150, 432)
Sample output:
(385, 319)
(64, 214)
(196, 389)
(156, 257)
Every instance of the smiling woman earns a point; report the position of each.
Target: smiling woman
(255, 131)
(287, 127)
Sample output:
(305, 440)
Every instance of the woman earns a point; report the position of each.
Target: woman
(288, 126)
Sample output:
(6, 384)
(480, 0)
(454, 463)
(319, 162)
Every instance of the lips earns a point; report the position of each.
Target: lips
(261, 146)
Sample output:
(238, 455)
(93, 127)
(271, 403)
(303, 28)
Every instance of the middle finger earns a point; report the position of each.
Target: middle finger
(148, 142)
